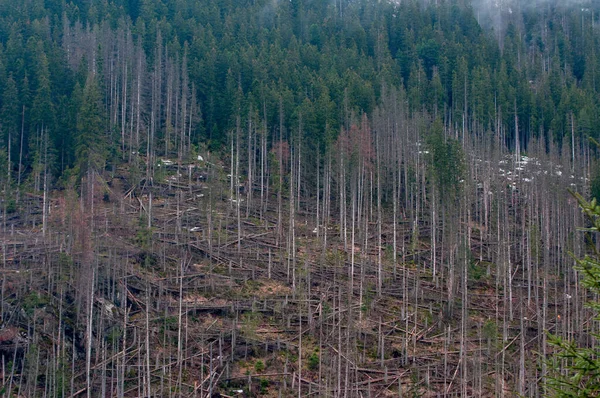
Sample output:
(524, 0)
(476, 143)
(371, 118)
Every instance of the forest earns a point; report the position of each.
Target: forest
(342, 198)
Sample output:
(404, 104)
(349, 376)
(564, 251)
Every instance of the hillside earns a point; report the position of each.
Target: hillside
(292, 198)
(203, 290)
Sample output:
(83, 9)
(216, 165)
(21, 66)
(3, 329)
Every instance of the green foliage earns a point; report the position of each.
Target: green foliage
(11, 206)
(595, 186)
(490, 330)
(114, 334)
(313, 361)
(447, 161)
(581, 376)
(143, 237)
(32, 301)
(368, 297)
(250, 322)
(261, 60)
(90, 146)
(259, 366)
(476, 270)
(168, 325)
(148, 259)
(264, 386)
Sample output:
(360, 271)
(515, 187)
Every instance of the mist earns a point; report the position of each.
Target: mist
(496, 14)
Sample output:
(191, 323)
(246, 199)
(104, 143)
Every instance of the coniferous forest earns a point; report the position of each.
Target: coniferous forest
(341, 198)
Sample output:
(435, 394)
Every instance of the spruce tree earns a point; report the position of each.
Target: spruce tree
(581, 375)
(90, 150)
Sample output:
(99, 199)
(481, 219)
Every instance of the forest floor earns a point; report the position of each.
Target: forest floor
(197, 290)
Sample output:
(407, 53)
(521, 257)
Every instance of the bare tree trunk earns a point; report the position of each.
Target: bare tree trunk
(379, 222)
(251, 159)
(179, 322)
(89, 332)
(21, 154)
(236, 176)
(45, 200)
(148, 384)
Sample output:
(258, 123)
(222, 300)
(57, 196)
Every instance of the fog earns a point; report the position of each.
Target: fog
(496, 13)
